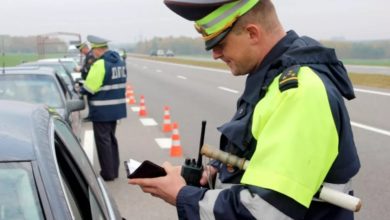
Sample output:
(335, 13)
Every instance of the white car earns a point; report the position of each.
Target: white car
(69, 63)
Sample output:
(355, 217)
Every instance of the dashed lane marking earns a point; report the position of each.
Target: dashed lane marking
(148, 122)
(164, 143)
(181, 77)
(372, 92)
(135, 109)
(89, 144)
(227, 89)
(366, 127)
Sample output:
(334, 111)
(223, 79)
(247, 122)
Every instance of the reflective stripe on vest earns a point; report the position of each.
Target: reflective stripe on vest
(113, 87)
(108, 102)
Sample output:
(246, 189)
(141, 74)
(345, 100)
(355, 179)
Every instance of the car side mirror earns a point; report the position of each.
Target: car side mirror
(75, 105)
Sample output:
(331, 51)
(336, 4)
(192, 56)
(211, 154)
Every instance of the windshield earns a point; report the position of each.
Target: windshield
(60, 69)
(31, 88)
(69, 65)
(18, 194)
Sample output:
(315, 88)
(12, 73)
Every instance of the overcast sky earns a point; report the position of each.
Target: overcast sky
(132, 20)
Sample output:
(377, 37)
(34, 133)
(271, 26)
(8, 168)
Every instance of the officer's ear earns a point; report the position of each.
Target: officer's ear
(254, 33)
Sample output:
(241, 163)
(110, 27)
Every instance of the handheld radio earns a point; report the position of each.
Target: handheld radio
(192, 170)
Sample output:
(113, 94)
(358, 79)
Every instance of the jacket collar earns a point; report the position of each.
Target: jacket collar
(256, 79)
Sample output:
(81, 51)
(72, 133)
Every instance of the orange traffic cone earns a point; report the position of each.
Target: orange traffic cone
(176, 150)
(131, 97)
(142, 109)
(167, 126)
(128, 90)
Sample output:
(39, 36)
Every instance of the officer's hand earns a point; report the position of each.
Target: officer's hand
(166, 187)
(208, 173)
(77, 69)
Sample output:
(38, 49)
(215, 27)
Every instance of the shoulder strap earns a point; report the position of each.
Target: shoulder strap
(289, 78)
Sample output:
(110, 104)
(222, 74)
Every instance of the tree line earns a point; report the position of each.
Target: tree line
(30, 44)
(378, 49)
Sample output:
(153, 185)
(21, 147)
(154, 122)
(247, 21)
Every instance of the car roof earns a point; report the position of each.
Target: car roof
(63, 59)
(23, 127)
(42, 63)
(34, 70)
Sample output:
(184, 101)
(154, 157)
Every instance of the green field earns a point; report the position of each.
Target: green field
(15, 59)
(371, 80)
(368, 62)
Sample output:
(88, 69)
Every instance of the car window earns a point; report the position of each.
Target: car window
(41, 89)
(76, 212)
(18, 193)
(62, 72)
(78, 174)
(69, 65)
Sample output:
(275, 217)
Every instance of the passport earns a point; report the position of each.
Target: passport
(146, 169)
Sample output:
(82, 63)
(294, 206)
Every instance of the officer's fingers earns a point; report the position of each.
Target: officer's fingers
(171, 169)
(151, 190)
(144, 182)
(134, 181)
(208, 173)
(205, 176)
(203, 179)
(167, 166)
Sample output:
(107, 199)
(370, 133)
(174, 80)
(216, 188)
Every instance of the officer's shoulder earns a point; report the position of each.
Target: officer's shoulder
(289, 78)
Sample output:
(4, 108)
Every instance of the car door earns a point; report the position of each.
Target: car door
(86, 196)
(72, 117)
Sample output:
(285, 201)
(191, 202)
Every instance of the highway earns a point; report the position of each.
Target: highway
(195, 94)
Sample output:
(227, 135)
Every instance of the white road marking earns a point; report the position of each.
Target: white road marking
(158, 71)
(227, 89)
(148, 122)
(184, 65)
(89, 144)
(144, 67)
(366, 127)
(181, 77)
(135, 109)
(372, 92)
(164, 143)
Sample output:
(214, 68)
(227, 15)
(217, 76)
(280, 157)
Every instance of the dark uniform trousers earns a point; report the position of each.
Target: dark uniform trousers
(107, 149)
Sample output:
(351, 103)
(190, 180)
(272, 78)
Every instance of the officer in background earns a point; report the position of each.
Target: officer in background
(291, 121)
(87, 63)
(88, 59)
(124, 55)
(105, 87)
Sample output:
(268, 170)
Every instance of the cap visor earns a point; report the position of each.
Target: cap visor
(213, 42)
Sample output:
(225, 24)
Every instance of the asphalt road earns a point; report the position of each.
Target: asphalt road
(195, 94)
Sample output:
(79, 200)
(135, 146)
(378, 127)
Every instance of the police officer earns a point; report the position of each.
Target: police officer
(105, 87)
(124, 55)
(88, 60)
(87, 63)
(291, 120)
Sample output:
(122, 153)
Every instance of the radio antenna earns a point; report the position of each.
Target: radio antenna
(199, 163)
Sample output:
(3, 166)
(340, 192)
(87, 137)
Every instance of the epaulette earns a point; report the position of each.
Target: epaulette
(289, 78)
